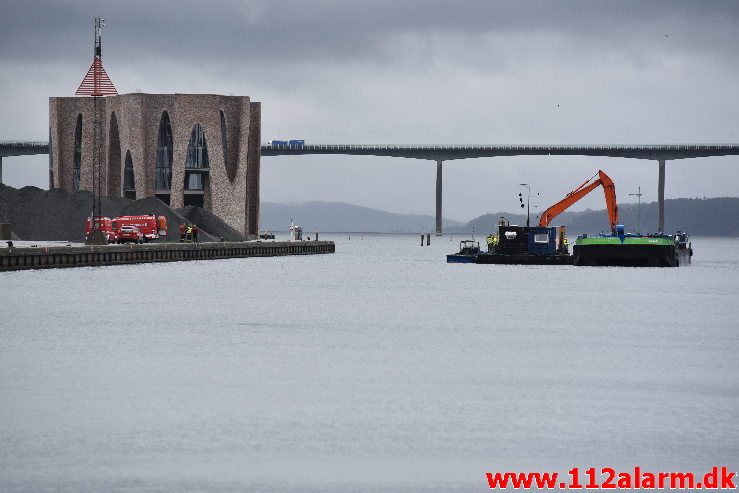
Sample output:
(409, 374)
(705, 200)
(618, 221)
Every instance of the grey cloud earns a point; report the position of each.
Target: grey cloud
(408, 72)
(283, 31)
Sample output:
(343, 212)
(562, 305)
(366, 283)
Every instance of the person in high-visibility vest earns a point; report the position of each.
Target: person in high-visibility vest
(189, 232)
(489, 240)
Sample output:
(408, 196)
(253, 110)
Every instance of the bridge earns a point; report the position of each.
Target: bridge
(440, 153)
(450, 152)
(18, 148)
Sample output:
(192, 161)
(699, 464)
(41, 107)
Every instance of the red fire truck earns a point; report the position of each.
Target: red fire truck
(152, 226)
(104, 224)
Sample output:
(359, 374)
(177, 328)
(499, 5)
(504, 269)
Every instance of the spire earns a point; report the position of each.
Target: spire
(97, 82)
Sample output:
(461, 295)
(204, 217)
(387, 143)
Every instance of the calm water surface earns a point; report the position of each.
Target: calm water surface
(379, 368)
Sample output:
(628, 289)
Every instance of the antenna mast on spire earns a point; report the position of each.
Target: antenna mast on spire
(97, 82)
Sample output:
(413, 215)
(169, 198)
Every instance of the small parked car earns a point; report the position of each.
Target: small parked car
(129, 233)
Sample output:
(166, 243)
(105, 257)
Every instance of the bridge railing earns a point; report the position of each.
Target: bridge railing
(491, 147)
(507, 147)
(16, 143)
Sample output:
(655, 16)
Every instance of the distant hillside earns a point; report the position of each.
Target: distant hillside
(339, 217)
(57, 214)
(707, 217)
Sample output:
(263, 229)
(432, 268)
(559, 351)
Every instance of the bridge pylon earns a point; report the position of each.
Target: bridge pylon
(661, 197)
(438, 197)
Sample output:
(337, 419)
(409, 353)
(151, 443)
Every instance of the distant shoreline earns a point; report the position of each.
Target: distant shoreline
(34, 213)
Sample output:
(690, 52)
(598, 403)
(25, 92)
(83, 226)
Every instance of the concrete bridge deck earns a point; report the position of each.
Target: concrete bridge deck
(655, 152)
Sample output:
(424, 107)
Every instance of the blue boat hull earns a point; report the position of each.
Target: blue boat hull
(460, 259)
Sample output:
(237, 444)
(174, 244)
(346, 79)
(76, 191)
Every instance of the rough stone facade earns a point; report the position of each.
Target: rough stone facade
(131, 123)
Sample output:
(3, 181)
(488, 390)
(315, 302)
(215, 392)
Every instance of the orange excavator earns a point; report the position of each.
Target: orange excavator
(609, 189)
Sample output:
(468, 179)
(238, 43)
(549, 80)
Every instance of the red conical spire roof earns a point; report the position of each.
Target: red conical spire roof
(96, 82)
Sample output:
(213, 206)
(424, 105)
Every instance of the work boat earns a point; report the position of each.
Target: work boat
(524, 245)
(296, 232)
(620, 248)
(468, 251)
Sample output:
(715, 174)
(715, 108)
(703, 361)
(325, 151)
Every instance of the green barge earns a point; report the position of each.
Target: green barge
(657, 250)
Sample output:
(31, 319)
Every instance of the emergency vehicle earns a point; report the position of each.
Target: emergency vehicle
(151, 226)
(104, 224)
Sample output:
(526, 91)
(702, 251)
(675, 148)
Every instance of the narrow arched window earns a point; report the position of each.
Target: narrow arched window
(163, 177)
(197, 159)
(129, 183)
(197, 169)
(114, 157)
(51, 161)
(224, 138)
(77, 154)
(197, 149)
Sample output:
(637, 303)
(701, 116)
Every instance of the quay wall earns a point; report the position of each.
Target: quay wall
(12, 259)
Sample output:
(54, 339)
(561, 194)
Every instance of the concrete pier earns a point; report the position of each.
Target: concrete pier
(438, 197)
(661, 196)
(97, 255)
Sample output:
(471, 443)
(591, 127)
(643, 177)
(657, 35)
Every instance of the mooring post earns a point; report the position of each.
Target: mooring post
(661, 197)
(438, 197)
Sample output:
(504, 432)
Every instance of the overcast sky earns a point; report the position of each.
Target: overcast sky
(409, 72)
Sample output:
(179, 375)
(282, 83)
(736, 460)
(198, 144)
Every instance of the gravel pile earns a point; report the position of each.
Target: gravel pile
(152, 205)
(36, 214)
(207, 221)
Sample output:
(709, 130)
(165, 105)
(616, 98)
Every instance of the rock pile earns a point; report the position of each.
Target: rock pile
(207, 221)
(36, 214)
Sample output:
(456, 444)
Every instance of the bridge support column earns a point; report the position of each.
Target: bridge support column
(438, 197)
(661, 197)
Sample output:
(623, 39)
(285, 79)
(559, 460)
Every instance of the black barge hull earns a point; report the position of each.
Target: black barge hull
(523, 259)
(629, 256)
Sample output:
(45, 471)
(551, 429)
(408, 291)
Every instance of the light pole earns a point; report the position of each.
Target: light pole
(638, 210)
(528, 202)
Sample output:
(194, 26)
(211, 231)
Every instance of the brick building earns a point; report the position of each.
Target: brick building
(186, 149)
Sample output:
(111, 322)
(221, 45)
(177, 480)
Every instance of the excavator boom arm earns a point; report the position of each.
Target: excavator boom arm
(609, 189)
